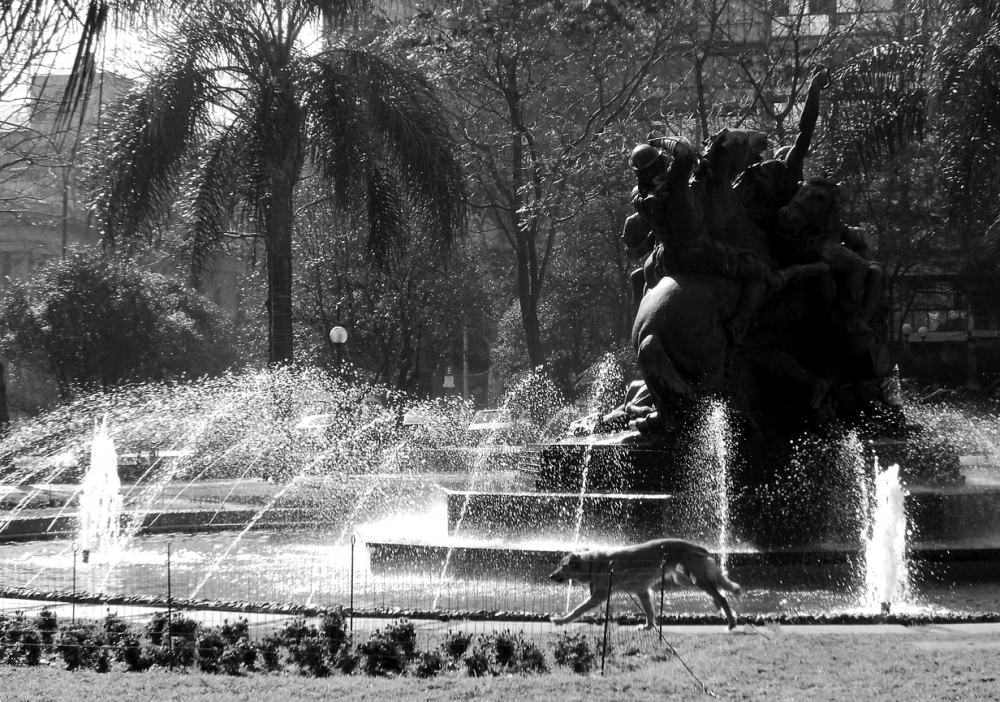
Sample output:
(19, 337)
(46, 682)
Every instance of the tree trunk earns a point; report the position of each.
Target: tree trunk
(527, 282)
(278, 234)
(4, 412)
(279, 220)
(528, 278)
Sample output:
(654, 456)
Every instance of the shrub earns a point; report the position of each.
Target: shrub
(173, 640)
(211, 645)
(505, 649)
(83, 646)
(269, 650)
(20, 642)
(334, 630)
(513, 654)
(477, 662)
(429, 664)
(234, 633)
(532, 658)
(306, 648)
(130, 652)
(238, 650)
(348, 659)
(115, 629)
(381, 655)
(388, 652)
(156, 627)
(236, 655)
(456, 644)
(47, 626)
(574, 650)
(404, 635)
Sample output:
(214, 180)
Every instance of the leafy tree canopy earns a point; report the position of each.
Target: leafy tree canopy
(98, 323)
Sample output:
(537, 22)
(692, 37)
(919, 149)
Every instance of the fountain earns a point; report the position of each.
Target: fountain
(449, 529)
(886, 567)
(100, 498)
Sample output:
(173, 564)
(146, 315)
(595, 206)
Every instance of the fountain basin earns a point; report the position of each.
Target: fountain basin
(941, 518)
(558, 516)
(820, 567)
(39, 528)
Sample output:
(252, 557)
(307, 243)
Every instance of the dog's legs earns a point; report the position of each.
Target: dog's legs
(719, 600)
(646, 600)
(595, 599)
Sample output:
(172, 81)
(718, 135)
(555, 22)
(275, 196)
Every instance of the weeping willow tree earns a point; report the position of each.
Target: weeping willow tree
(234, 113)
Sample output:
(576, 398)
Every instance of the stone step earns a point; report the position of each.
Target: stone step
(519, 516)
(835, 567)
(955, 515)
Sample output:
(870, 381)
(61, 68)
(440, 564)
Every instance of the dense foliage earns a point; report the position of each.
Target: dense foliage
(98, 323)
(300, 646)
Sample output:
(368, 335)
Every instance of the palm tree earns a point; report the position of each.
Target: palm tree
(940, 85)
(237, 111)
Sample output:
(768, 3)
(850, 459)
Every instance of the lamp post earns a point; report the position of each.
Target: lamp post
(338, 336)
(907, 329)
(922, 331)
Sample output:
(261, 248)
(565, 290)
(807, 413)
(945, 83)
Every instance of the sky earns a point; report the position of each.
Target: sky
(124, 51)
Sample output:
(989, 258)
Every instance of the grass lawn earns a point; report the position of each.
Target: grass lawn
(953, 662)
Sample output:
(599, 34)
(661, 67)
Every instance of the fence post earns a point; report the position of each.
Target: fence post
(353, 538)
(170, 613)
(607, 614)
(76, 547)
(663, 588)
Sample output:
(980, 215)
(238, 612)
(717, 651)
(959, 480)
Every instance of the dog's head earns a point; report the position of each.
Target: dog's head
(573, 566)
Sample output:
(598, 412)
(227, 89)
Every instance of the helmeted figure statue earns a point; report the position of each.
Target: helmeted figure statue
(736, 294)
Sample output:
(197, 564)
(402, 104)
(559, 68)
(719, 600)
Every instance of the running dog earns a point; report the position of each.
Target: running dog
(638, 568)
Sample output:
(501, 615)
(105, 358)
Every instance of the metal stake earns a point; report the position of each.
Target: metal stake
(170, 613)
(663, 589)
(353, 538)
(607, 614)
(76, 548)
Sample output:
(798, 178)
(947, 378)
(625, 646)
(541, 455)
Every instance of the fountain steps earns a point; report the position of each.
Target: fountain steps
(35, 527)
(953, 515)
(491, 534)
(832, 567)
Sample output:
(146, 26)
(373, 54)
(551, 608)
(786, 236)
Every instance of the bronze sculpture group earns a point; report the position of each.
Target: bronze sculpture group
(751, 287)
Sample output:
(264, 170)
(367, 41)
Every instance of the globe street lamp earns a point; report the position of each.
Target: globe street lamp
(338, 335)
(922, 331)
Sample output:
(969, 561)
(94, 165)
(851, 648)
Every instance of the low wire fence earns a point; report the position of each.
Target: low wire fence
(316, 618)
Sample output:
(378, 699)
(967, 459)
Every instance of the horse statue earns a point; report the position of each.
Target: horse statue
(811, 229)
(712, 257)
(752, 285)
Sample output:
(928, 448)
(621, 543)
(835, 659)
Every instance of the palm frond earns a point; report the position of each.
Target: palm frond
(151, 133)
(366, 110)
(966, 70)
(881, 103)
(212, 193)
(385, 213)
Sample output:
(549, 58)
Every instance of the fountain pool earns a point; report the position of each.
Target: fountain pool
(253, 520)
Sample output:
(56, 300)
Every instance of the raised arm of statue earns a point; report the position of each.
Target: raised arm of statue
(807, 124)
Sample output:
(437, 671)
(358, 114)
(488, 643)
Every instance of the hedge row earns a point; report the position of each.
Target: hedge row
(314, 649)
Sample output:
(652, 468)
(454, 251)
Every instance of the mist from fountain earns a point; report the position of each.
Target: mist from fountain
(708, 492)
